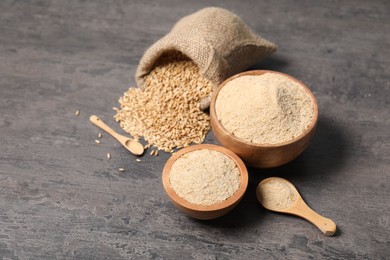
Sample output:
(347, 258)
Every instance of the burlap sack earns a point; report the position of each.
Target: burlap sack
(218, 41)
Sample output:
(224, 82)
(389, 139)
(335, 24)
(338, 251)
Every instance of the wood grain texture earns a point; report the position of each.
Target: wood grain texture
(60, 197)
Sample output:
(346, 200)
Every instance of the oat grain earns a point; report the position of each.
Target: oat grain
(166, 110)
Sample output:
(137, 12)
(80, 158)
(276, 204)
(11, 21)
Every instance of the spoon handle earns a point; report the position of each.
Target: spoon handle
(327, 226)
(99, 123)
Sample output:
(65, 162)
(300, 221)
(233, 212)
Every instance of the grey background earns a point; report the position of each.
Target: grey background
(60, 197)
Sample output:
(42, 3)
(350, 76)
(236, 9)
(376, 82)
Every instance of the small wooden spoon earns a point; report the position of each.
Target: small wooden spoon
(130, 144)
(292, 203)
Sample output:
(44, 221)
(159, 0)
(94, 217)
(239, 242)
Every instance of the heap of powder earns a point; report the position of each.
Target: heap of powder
(276, 195)
(266, 109)
(204, 177)
(166, 110)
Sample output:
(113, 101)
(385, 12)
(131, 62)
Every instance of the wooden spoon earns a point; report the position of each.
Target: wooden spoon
(130, 144)
(280, 195)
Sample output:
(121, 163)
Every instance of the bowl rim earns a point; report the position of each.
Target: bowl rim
(213, 112)
(205, 208)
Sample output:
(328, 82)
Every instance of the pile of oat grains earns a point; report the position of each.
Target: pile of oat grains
(166, 111)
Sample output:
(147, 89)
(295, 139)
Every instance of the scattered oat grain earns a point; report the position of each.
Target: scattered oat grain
(156, 153)
(97, 141)
(100, 135)
(138, 160)
(108, 155)
(77, 112)
(152, 152)
(121, 169)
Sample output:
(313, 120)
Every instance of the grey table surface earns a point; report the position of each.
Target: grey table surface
(60, 197)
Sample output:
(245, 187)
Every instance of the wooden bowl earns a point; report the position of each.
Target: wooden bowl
(257, 155)
(205, 211)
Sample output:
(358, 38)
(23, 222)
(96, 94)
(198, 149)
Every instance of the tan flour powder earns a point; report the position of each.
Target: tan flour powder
(266, 109)
(204, 177)
(276, 195)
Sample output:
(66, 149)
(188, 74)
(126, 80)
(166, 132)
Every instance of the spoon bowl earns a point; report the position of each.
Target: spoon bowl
(130, 144)
(279, 195)
(134, 147)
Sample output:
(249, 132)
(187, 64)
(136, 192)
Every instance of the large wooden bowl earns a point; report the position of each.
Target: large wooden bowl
(205, 211)
(257, 155)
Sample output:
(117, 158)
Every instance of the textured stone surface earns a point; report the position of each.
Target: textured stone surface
(60, 197)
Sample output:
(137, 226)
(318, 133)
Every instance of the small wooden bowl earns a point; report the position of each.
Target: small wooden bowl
(205, 211)
(257, 155)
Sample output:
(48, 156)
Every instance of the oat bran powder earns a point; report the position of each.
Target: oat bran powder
(204, 177)
(266, 109)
